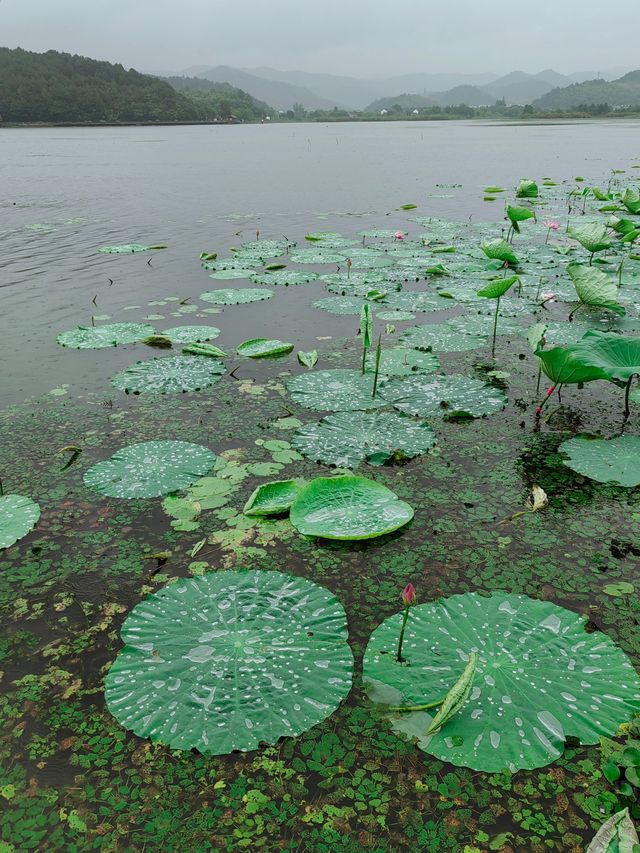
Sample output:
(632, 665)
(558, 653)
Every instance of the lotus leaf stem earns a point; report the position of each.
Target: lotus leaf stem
(410, 708)
(495, 329)
(405, 617)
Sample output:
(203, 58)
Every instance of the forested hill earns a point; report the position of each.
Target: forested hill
(220, 100)
(623, 92)
(58, 87)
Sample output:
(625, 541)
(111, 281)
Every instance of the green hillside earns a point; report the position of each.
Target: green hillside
(58, 87)
(220, 100)
(624, 92)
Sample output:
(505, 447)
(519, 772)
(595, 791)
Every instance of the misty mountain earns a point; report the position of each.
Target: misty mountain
(424, 84)
(279, 94)
(348, 92)
(472, 96)
(623, 92)
(520, 88)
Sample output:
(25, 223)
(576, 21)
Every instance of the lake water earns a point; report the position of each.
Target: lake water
(66, 191)
(74, 778)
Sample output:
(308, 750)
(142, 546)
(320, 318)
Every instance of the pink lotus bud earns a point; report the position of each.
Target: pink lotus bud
(399, 235)
(409, 595)
(552, 224)
(548, 297)
(538, 410)
(550, 391)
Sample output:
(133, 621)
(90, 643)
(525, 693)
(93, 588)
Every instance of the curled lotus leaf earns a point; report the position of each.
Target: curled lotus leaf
(97, 337)
(440, 339)
(348, 508)
(446, 396)
(230, 661)
(540, 679)
(150, 469)
(613, 460)
(235, 296)
(616, 835)
(263, 348)
(347, 439)
(191, 334)
(273, 498)
(339, 390)
(169, 375)
(18, 516)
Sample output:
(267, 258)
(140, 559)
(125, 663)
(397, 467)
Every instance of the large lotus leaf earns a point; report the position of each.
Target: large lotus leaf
(614, 460)
(618, 357)
(191, 334)
(169, 375)
(595, 287)
(369, 258)
(283, 277)
(415, 300)
(527, 189)
(338, 390)
(631, 199)
(540, 679)
(482, 324)
(18, 515)
(230, 296)
(497, 287)
(348, 508)
(263, 249)
(616, 835)
(96, 337)
(341, 282)
(395, 316)
(347, 439)
(500, 250)
(340, 304)
(263, 348)
(439, 339)
(230, 661)
(273, 498)
(402, 361)
(591, 235)
(232, 273)
(447, 396)
(377, 233)
(150, 469)
(517, 215)
(566, 365)
(317, 256)
(130, 247)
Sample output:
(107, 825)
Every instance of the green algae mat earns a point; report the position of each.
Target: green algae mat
(206, 645)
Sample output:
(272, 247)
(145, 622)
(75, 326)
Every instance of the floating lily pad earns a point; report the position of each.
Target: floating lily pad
(356, 283)
(395, 316)
(232, 273)
(448, 396)
(317, 256)
(263, 249)
(369, 258)
(128, 249)
(230, 296)
(273, 498)
(113, 335)
(402, 361)
(440, 339)
(614, 460)
(18, 515)
(263, 348)
(283, 277)
(540, 679)
(150, 469)
(348, 508)
(169, 375)
(230, 661)
(340, 304)
(338, 390)
(191, 334)
(348, 439)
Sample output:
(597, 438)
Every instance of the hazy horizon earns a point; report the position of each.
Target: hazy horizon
(359, 40)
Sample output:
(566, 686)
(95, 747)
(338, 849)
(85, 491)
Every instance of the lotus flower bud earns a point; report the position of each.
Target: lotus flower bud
(409, 595)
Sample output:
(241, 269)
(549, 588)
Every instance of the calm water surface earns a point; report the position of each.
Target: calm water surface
(65, 192)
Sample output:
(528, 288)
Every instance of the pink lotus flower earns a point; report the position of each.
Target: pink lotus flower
(399, 235)
(551, 224)
(409, 595)
(547, 297)
(538, 410)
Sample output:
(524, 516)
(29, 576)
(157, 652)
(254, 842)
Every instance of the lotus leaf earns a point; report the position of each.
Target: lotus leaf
(517, 215)
(614, 460)
(347, 439)
(595, 287)
(500, 250)
(340, 304)
(263, 249)
(540, 679)
(283, 277)
(340, 282)
(228, 296)
(263, 348)
(130, 247)
(439, 339)
(566, 366)
(338, 390)
(150, 469)
(402, 361)
(273, 498)
(527, 189)
(449, 396)
(191, 334)
(616, 835)
(497, 287)
(591, 235)
(395, 316)
(18, 515)
(317, 256)
(618, 357)
(96, 337)
(229, 273)
(349, 508)
(169, 375)
(370, 259)
(230, 661)
(631, 199)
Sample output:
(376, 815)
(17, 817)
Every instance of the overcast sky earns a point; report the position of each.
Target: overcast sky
(363, 38)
